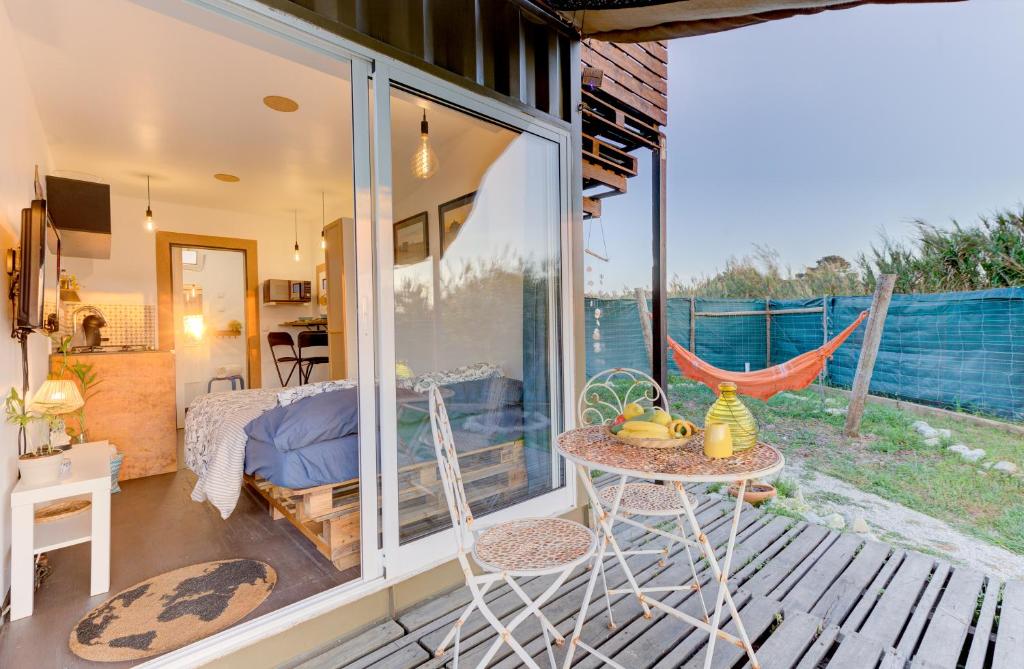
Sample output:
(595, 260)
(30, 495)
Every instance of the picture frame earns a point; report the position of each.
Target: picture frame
(412, 239)
(452, 216)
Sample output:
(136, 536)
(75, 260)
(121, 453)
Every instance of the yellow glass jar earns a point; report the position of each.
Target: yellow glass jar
(729, 410)
(717, 440)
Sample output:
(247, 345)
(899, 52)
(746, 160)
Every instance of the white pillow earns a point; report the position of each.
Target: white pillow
(474, 372)
(290, 395)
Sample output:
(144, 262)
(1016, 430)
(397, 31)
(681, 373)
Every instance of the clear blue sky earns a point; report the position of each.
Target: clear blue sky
(813, 134)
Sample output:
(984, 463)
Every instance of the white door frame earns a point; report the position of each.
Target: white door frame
(368, 196)
(403, 560)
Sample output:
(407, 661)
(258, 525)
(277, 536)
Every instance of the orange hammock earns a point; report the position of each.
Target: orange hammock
(791, 375)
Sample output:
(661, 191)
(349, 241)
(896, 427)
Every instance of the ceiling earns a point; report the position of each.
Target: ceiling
(124, 90)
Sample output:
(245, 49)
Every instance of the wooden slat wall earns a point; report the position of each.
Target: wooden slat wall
(634, 74)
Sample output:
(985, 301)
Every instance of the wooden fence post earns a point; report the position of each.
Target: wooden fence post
(693, 324)
(645, 324)
(869, 352)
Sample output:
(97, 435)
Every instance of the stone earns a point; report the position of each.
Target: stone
(987, 465)
(835, 411)
(945, 433)
(860, 526)
(959, 448)
(974, 455)
(934, 441)
(834, 521)
(925, 430)
(1006, 467)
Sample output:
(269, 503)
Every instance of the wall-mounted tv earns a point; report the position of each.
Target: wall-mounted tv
(39, 276)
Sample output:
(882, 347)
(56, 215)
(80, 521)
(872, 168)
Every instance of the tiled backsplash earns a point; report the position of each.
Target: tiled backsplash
(127, 324)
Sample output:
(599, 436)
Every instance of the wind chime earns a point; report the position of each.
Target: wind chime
(592, 302)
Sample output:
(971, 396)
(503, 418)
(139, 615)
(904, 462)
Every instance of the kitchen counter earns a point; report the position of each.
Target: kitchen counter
(133, 407)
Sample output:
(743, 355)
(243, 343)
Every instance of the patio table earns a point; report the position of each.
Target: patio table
(595, 448)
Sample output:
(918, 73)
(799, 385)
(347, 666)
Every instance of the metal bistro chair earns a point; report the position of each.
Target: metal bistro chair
(311, 339)
(506, 551)
(603, 398)
(276, 339)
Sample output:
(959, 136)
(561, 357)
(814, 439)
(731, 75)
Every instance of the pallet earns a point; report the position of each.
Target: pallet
(328, 515)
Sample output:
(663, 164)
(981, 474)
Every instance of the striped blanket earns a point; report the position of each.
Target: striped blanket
(215, 442)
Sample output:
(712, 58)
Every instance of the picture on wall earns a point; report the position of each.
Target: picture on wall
(412, 240)
(453, 215)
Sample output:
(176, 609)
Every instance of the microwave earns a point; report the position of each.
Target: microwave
(287, 290)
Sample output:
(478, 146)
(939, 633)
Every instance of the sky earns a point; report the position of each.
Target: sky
(813, 134)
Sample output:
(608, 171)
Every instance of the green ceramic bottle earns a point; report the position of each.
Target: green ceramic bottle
(729, 410)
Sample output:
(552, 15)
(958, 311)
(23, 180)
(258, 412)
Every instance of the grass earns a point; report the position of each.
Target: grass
(891, 460)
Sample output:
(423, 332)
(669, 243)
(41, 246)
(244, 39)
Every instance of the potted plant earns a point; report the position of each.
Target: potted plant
(39, 466)
(757, 492)
(87, 381)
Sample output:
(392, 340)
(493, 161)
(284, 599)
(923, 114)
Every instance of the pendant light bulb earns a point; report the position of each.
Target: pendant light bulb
(295, 214)
(150, 226)
(424, 161)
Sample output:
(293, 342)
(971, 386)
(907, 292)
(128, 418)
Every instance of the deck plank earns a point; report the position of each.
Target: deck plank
(789, 560)
(922, 612)
(808, 588)
(893, 609)
(816, 654)
(1010, 638)
(789, 642)
(983, 628)
(356, 647)
(857, 651)
(950, 623)
(758, 615)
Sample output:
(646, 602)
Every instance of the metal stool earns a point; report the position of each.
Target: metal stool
(232, 379)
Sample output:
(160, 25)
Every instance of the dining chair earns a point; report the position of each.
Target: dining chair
(311, 339)
(284, 339)
(504, 552)
(602, 400)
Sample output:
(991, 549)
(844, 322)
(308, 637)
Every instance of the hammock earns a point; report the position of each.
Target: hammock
(794, 374)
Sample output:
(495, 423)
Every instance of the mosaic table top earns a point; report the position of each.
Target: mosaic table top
(595, 447)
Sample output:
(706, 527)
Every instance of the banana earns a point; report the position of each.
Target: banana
(661, 417)
(632, 410)
(644, 429)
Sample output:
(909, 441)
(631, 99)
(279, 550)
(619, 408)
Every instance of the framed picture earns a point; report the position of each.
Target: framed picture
(321, 282)
(453, 215)
(412, 240)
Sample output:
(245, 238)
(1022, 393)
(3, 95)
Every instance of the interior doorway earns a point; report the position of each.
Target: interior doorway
(208, 315)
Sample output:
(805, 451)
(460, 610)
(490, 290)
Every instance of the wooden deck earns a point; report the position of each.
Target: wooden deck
(810, 597)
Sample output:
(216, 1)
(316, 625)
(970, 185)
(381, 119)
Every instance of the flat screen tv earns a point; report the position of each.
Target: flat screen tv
(38, 279)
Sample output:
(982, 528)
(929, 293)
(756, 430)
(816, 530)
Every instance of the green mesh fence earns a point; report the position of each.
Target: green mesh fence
(954, 350)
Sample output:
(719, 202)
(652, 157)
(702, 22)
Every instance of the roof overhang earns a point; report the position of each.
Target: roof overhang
(649, 20)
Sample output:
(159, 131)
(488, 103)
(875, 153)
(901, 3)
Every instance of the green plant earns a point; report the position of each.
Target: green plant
(17, 414)
(234, 326)
(84, 373)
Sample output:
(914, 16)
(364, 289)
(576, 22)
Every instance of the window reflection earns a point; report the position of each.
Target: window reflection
(476, 261)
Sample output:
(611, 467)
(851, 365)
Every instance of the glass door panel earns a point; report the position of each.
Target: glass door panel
(475, 213)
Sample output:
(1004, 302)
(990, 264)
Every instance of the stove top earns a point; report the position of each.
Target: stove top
(112, 348)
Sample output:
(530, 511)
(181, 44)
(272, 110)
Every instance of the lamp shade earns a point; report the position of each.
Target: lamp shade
(57, 396)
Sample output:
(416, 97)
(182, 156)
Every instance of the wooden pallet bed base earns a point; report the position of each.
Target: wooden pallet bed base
(328, 515)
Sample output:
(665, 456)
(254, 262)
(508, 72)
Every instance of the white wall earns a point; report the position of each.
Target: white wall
(129, 275)
(23, 146)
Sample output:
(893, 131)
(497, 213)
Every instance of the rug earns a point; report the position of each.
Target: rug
(172, 610)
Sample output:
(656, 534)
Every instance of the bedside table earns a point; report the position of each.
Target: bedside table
(90, 475)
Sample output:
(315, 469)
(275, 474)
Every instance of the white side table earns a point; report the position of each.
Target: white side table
(90, 474)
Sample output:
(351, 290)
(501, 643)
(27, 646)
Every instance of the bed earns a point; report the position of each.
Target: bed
(298, 449)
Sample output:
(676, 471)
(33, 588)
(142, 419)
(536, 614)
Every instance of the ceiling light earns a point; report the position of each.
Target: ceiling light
(280, 103)
(295, 213)
(424, 161)
(149, 209)
(226, 178)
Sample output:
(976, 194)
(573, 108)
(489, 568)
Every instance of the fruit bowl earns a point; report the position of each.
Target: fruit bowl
(653, 442)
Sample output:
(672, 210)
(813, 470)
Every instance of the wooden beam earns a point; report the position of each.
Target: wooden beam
(869, 352)
(592, 207)
(595, 174)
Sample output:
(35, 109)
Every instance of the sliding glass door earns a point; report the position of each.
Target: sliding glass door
(469, 258)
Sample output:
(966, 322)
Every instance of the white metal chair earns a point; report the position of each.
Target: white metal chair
(505, 551)
(603, 398)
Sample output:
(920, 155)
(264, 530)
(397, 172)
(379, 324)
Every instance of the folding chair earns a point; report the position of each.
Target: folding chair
(522, 548)
(603, 398)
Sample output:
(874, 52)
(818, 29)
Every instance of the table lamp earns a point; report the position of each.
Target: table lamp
(55, 398)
